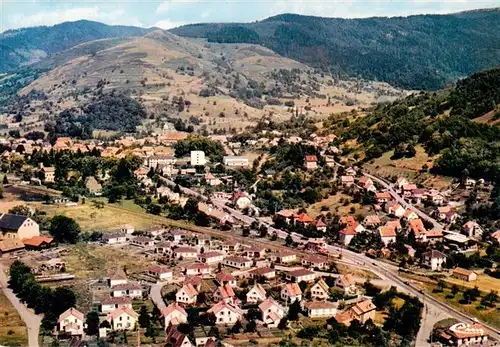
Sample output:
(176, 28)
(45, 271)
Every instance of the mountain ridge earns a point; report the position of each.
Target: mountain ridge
(414, 52)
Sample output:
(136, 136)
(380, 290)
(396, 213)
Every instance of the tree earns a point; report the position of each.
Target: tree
(454, 289)
(251, 326)
(288, 240)
(236, 329)
(92, 323)
(64, 229)
(5, 180)
(21, 210)
(144, 319)
(294, 310)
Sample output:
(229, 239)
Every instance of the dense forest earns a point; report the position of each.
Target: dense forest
(442, 123)
(112, 111)
(417, 52)
(16, 45)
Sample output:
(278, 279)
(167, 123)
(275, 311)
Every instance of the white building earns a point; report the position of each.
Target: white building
(235, 161)
(272, 312)
(161, 273)
(122, 318)
(320, 290)
(71, 322)
(225, 313)
(187, 294)
(238, 262)
(132, 290)
(256, 294)
(291, 292)
(174, 314)
(320, 309)
(198, 158)
(434, 260)
(108, 305)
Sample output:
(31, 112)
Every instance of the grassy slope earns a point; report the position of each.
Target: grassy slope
(13, 331)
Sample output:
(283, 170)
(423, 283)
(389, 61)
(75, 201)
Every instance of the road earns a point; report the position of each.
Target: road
(31, 320)
(402, 201)
(433, 309)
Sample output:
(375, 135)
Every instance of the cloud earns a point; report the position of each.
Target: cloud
(163, 7)
(205, 14)
(73, 14)
(168, 24)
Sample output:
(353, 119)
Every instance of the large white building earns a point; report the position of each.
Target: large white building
(235, 161)
(198, 158)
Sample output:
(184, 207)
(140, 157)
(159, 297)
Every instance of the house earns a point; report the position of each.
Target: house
(347, 284)
(114, 238)
(161, 273)
(211, 180)
(311, 162)
(210, 257)
(301, 275)
(185, 253)
(447, 213)
(238, 262)
(395, 209)
(285, 215)
(434, 260)
(230, 246)
(256, 252)
(465, 334)
(38, 243)
(174, 314)
(372, 221)
(117, 277)
(410, 215)
(256, 294)
(363, 310)
(350, 171)
(160, 160)
(241, 200)
(215, 213)
(263, 272)
(142, 241)
(14, 226)
(177, 235)
(235, 161)
(156, 231)
(132, 290)
(388, 234)
(473, 230)
(464, 274)
(401, 181)
(226, 278)
(176, 338)
(10, 245)
(195, 269)
(303, 219)
(94, 187)
(164, 247)
(187, 294)
(272, 312)
(347, 180)
(320, 225)
(321, 309)
(418, 228)
(71, 322)
(198, 158)
(225, 293)
(435, 197)
(363, 181)
(407, 190)
(346, 235)
(283, 257)
(383, 197)
(314, 261)
(49, 174)
(127, 229)
(122, 318)
(108, 305)
(320, 290)
(291, 292)
(434, 235)
(225, 313)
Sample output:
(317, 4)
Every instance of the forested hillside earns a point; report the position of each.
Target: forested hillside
(22, 46)
(442, 122)
(416, 52)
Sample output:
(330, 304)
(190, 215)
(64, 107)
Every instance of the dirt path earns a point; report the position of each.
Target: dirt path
(32, 320)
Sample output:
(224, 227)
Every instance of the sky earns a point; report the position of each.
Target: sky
(171, 13)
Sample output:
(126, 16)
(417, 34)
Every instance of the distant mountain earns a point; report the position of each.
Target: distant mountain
(24, 46)
(416, 52)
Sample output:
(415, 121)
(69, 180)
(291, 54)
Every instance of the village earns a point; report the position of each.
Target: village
(244, 273)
